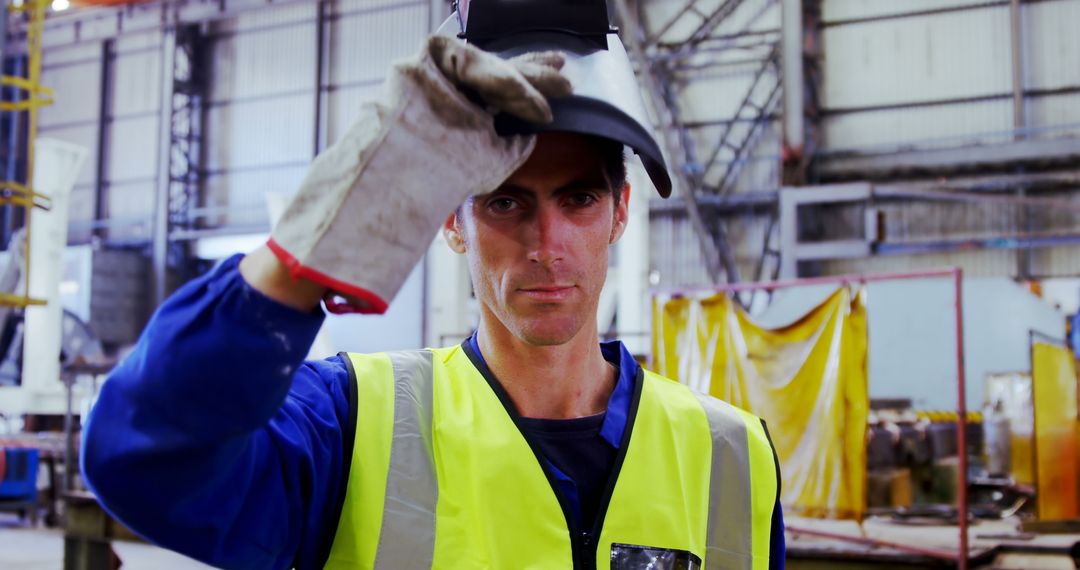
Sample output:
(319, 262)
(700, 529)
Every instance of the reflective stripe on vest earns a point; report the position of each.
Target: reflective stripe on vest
(433, 442)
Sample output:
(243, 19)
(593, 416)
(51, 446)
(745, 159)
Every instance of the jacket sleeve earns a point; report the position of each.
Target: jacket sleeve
(213, 437)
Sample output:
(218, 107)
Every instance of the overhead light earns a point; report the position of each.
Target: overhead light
(60, 5)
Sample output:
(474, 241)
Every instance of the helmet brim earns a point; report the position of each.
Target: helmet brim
(606, 100)
(588, 116)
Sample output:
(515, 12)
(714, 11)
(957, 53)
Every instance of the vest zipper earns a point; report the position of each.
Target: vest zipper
(616, 468)
(583, 544)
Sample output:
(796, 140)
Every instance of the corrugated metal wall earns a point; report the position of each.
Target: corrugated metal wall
(260, 126)
(132, 135)
(74, 73)
(261, 130)
(130, 129)
(260, 119)
(1051, 45)
(895, 75)
(366, 36)
(901, 75)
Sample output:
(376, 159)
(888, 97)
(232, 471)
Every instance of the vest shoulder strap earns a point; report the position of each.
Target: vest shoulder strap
(744, 484)
(392, 488)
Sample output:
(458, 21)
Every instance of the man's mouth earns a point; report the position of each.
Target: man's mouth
(547, 293)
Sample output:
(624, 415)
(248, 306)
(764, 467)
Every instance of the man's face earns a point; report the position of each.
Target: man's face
(537, 247)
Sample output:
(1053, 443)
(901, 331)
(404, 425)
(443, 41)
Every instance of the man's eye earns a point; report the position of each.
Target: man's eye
(582, 199)
(499, 205)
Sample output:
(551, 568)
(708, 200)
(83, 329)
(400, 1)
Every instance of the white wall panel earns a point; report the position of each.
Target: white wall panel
(243, 193)
(365, 44)
(77, 93)
(276, 16)
(832, 10)
(1051, 44)
(259, 124)
(944, 56)
(67, 55)
(136, 82)
(260, 133)
(717, 97)
(134, 150)
(354, 6)
(982, 263)
(753, 15)
(675, 256)
(137, 41)
(674, 253)
(896, 126)
(84, 135)
(343, 106)
(1054, 110)
(130, 205)
(1063, 261)
(264, 62)
(81, 210)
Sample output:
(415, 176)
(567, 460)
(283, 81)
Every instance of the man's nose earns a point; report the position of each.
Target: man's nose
(548, 235)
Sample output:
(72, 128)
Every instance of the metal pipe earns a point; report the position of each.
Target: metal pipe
(1017, 68)
(1032, 93)
(961, 419)
(105, 90)
(322, 74)
(1029, 241)
(805, 281)
(914, 14)
(160, 242)
(950, 142)
(791, 58)
(946, 195)
(931, 552)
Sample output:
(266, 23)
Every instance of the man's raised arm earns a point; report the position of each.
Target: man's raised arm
(213, 437)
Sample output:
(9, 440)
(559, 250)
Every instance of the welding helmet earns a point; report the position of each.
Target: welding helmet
(606, 101)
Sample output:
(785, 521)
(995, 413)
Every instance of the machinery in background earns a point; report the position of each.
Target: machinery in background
(78, 343)
(913, 460)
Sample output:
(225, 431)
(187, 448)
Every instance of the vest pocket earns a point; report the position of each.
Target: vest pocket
(637, 557)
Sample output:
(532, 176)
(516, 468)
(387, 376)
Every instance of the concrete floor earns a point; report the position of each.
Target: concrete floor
(24, 548)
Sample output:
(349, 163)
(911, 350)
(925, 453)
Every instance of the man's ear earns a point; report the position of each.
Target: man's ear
(621, 214)
(452, 232)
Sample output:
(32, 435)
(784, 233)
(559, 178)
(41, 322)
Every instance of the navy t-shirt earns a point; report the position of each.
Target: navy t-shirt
(574, 446)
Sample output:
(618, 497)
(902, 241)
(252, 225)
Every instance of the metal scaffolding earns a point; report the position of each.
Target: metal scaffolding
(180, 173)
(691, 42)
(28, 96)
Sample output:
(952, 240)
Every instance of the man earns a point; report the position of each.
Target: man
(529, 445)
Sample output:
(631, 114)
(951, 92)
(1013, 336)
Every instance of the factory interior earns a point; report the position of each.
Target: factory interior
(872, 243)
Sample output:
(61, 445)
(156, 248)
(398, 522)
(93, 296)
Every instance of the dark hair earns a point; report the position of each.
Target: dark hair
(614, 159)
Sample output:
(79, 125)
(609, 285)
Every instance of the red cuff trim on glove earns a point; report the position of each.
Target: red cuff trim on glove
(374, 303)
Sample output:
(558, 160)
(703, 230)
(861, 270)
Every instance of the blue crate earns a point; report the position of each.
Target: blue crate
(20, 477)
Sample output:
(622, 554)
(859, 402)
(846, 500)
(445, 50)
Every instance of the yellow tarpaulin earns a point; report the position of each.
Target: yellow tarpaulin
(1053, 379)
(808, 380)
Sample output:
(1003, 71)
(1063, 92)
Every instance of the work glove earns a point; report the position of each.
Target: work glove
(371, 203)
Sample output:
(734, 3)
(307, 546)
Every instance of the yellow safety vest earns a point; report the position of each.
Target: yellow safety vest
(442, 477)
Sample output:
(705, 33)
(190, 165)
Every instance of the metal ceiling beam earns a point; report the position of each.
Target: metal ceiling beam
(982, 189)
(1035, 153)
